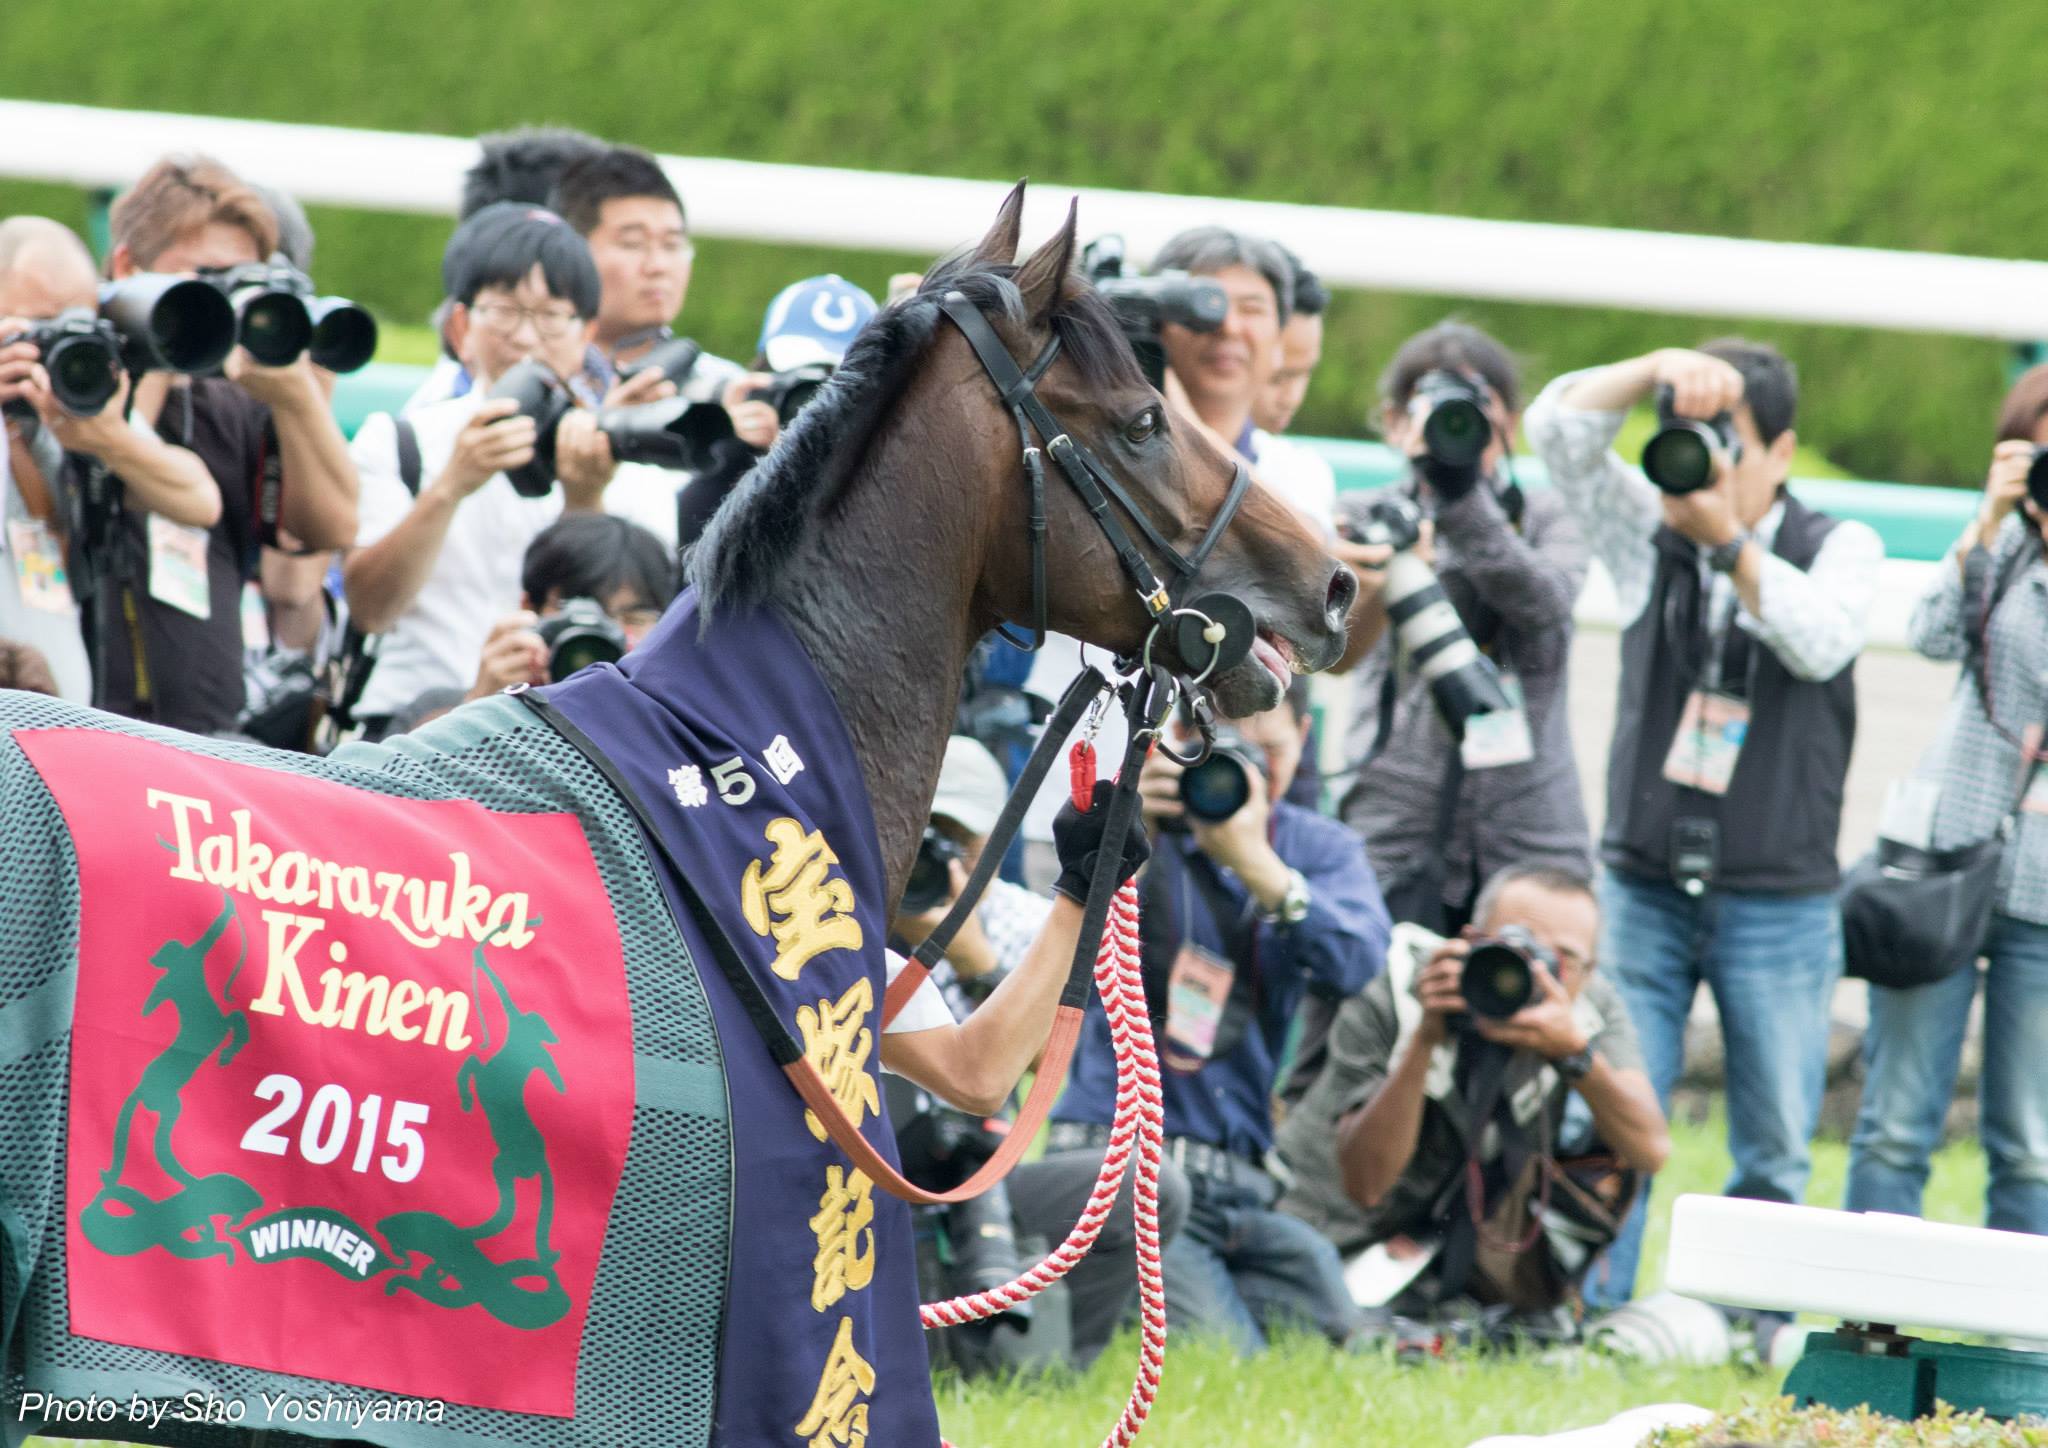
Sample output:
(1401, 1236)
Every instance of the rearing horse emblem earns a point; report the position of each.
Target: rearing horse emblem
(205, 1025)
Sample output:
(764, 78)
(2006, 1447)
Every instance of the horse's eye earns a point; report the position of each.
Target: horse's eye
(1141, 427)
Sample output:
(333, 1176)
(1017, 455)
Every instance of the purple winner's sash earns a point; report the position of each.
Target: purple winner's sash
(735, 746)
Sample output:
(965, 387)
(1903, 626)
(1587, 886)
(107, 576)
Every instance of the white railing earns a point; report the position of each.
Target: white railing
(926, 215)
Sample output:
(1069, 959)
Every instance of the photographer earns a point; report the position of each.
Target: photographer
(1441, 808)
(1240, 915)
(1742, 613)
(616, 564)
(518, 165)
(438, 554)
(1425, 1092)
(1987, 606)
(622, 203)
(46, 271)
(171, 650)
(1300, 476)
(1219, 376)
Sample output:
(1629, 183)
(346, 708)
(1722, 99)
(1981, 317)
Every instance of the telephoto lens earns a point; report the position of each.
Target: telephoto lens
(672, 433)
(344, 335)
(82, 354)
(542, 397)
(169, 323)
(931, 874)
(1499, 977)
(1218, 787)
(580, 634)
(1455, 430)
(271, 321)
(1431, 636)
(1684, 454)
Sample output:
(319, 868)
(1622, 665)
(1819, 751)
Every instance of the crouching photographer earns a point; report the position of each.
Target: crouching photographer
(1248, 902)
(1428, 1149)
(593, 587)
(967, 1035)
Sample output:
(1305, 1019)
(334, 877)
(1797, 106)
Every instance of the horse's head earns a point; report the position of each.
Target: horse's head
(1176, 480)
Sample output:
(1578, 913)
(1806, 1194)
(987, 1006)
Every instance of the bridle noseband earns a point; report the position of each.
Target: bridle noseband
(1214, 631)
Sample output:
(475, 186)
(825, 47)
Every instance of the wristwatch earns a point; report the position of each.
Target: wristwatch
(1575, 1067)
(1293, 904)
(1723, 558)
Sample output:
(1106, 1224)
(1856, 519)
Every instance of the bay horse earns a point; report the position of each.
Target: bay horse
(641, 1299)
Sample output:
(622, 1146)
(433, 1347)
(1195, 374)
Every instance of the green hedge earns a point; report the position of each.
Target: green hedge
(1884, 123)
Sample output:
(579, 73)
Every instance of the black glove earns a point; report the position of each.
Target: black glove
(1077, 839)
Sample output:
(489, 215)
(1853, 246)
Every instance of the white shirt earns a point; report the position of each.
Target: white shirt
(447, 374)
(1301, 477)
(55, 636)
(1815, 621)
(925, 1009)
(439, 639)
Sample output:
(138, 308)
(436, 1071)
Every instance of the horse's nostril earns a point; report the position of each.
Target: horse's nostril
(1343, 590)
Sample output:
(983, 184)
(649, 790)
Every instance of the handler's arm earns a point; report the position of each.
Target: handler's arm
(976, 1065)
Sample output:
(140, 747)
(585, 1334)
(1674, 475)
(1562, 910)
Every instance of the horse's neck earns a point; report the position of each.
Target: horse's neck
(882, 601)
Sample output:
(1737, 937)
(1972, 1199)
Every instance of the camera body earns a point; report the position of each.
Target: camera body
(1449, 410)
(1143, 304)
(1430, 635)
(1218, 787)
(930, 883)
(1499, 977)
(82, 353)
(578, 635)
(1685, 454)
(673, 433)
(278, 318)
(789, 392)
(675, 356)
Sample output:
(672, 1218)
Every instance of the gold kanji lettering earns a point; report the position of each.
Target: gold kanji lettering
(837, 1417)
(844, 1227)
(836, 1043)
(792, 900)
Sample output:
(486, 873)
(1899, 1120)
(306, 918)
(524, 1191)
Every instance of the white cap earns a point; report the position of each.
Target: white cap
(972, 786)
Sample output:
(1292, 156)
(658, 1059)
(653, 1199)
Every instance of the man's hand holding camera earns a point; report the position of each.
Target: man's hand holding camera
(1241, 844)
(513, 654)
(969, 952)
(496, 437)
(754, 420)
(1545, 1026)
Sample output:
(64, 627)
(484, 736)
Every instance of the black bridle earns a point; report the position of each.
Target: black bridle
(1210, 633)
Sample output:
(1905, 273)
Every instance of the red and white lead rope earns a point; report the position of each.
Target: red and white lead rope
(1137, 1128)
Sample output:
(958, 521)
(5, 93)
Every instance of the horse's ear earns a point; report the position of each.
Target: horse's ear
(999, 247)
(1041, 278)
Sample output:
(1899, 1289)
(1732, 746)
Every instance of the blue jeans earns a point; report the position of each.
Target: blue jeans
(1772, 962)
(1911, 1052)
(1239, 1269)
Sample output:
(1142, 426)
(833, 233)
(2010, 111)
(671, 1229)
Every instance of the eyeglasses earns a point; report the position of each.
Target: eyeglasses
(676, 247)
(504, 319)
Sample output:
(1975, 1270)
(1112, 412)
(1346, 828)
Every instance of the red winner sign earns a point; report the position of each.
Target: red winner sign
(351, 1076)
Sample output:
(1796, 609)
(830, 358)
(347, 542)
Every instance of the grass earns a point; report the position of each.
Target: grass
(1304, 1393)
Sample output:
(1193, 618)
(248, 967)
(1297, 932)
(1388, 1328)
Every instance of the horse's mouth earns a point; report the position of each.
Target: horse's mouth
(1275, 653)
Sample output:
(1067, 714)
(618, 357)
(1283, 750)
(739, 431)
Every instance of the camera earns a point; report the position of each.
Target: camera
(1450, 411)
(2037, 482)
(1218, 787)
(1145, 303)
(169, 323)
(675, 356)
(1499, 977)
(1432, 637)
(669, 434)
(940, 1148)
(278, 318)
(931, 874)
(579, 635)
(1684, 454)
(82, 354)
(791, 391)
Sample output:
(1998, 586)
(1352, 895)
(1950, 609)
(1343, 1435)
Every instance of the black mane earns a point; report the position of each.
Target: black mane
(759, 530)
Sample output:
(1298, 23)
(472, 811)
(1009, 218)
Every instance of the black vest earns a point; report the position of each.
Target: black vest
(1782, 813)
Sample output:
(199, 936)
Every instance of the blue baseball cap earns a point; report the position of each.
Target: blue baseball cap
(812, 321)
